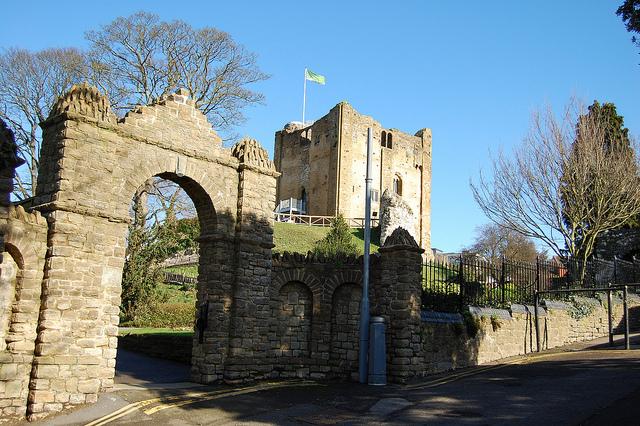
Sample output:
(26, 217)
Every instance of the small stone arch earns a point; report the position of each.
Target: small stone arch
(11, 264)
(345, 327)
(25, 245)
(337, 279)
(397, 184)
(299, 274)
(294, 319)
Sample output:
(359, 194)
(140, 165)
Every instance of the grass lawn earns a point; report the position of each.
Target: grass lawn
(172, 293)
(186, 270)
(147, 330)
(296, 238)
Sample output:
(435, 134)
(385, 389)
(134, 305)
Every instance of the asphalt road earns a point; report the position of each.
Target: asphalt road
(583, 386)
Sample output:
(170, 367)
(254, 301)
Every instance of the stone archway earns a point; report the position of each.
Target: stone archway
(21, 270)
(91, 165)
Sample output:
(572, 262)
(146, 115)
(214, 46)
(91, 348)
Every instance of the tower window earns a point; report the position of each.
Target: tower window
(383, 139)
(397, 185)
(389, 140)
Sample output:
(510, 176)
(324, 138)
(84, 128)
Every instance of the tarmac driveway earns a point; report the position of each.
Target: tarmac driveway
(580, 386)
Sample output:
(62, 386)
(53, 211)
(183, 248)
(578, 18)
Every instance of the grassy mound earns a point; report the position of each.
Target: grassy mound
(296, 238)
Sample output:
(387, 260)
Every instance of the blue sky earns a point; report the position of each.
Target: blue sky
(473, 72)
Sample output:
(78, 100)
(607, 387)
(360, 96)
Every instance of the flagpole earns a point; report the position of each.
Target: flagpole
(304, 96)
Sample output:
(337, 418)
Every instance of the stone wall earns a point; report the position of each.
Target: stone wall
(23, 245)
(92, 164)
(21, 272)
(314, 326)
(449, 342)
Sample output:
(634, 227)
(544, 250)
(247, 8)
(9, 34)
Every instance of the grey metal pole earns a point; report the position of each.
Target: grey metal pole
(536, 298)
(610, 315)
(364, 303)
(626, 318)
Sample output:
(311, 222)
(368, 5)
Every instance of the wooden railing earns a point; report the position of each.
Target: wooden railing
(309, 220)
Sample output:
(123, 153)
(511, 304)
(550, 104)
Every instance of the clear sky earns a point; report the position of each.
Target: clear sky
(471, 71)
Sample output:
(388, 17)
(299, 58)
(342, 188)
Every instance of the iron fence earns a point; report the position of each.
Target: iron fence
(449, 286)
(173, 278)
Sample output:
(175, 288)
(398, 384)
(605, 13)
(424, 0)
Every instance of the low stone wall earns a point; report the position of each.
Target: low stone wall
(315, 311)
(165, 346)
(483, 335)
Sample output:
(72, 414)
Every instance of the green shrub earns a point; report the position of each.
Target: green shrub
(338, 242)
(579, 309)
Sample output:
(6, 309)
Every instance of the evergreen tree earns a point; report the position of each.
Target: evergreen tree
(338, 242)
(616, 136)
(630, 14)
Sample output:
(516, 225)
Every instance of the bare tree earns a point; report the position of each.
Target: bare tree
(30, 83)
(494, 242)
(563, 185)
(138, 58)
(134, 59)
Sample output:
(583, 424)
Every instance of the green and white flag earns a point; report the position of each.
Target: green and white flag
(312, 76)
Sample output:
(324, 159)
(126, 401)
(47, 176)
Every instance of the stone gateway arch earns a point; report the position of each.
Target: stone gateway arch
(59, 343)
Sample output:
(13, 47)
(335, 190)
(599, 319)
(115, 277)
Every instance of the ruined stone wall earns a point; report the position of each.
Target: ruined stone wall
(449, 342)
(394, 213)
(331, 155)
(308, 158)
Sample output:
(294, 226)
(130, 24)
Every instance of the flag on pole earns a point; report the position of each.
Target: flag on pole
(312, 76)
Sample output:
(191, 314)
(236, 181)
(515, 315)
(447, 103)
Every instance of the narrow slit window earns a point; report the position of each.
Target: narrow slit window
(397, 185)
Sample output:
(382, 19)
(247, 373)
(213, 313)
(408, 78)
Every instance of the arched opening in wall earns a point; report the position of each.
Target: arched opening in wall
(303, 201)
(390, 140)
(162, 275)
(293, 315)
(10, 279)
(383, 139)
(345, 326)
(397, 185)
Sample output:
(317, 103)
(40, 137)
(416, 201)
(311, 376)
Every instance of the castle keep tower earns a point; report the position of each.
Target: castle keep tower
(324, 166)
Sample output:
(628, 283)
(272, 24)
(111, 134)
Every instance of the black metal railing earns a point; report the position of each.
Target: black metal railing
(450, 286)
(173, 278)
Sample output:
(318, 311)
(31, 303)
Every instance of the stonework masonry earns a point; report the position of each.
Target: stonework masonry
(91, 166)
(325, 164)
(259, 316)
(504, 333)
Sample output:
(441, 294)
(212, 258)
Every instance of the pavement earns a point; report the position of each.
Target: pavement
(582, 384)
